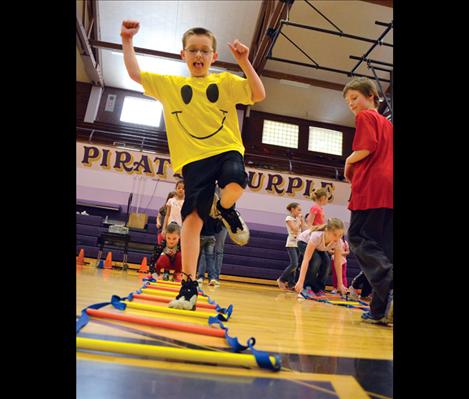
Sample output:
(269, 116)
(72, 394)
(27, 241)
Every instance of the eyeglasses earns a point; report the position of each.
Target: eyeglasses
(194, 51)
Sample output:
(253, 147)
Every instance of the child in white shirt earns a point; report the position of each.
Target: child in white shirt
(295, 225)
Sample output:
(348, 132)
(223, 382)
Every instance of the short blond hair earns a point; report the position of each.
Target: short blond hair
(199, 31)
(365, 86)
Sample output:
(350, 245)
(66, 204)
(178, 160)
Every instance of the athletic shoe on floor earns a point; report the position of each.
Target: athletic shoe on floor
(306, 294)
(200, 280)
(368, 317)
(237, 229)
(282, 285)
(214, 283)
(166, 276)
(352, 294)
(187, 297)
(333, 292)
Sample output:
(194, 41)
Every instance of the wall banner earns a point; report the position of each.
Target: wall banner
(151, 165)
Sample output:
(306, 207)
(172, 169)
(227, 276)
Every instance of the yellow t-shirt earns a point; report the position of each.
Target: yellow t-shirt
(200, 113)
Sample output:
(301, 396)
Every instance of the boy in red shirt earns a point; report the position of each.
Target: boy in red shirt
(370, 170)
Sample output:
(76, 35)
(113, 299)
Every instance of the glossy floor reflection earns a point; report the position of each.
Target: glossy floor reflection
(122, 382)
(326, 351)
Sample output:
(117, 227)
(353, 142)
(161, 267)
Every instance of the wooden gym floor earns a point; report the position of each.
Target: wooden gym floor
(326, 351)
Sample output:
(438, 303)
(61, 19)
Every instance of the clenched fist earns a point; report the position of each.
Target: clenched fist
(129, 28)
(239, 50)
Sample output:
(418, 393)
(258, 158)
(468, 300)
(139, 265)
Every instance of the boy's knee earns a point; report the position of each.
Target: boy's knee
(193, 217)
(234, 187)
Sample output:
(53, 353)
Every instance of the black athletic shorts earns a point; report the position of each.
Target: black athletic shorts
(200, 178)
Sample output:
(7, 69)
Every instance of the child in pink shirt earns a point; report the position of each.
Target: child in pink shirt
(316, 213)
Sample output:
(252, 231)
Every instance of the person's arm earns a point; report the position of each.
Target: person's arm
(311, 218)
(241, 53)
(338, 260)
(158, 221)
(357, 156)
(128, 30)
(166, 217)
(346, 249)
(293, 226)
(304, 266)
(351, 159)
(303, 225)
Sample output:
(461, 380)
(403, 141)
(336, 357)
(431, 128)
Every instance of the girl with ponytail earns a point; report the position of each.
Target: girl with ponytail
(314, 244)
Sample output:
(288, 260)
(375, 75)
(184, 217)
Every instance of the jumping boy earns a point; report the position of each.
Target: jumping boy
(204, 138)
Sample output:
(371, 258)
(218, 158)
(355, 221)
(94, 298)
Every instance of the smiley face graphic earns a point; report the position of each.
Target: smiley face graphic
(212, 94)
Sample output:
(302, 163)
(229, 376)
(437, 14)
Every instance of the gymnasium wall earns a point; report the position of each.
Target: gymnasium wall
(299, 161)
(107, 174)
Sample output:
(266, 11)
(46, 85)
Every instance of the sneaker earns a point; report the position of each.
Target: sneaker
(333, 292)
(214, 282)
(365, 298)
(200, 280)
(281, 284)
(389, 312)
(368, 317)
(187, 297)
(306, 294)
(237, 229)
(165, 276)
(352, 294)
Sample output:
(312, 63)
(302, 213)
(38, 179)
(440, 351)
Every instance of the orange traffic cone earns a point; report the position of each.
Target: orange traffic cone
(143, 267)
(108, 261)
(81, 257)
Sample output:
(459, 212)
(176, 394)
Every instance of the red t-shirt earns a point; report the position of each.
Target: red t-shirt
(372, 180)
(318, 213)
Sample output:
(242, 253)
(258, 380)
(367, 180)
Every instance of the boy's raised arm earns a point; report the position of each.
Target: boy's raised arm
(128, 30)
(241, 54)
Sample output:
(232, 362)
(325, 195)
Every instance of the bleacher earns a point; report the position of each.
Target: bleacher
(264, 257)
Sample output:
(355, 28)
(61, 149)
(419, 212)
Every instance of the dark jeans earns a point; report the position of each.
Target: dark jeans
(207, 257)
(288, 275)
(361, 282)
(371, 239)
(318, 269)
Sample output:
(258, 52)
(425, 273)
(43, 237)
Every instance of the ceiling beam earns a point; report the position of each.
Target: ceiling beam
(174, 56)
(95, 31)
(261, 25)
(227, 65)
(279, 12)
(93, 70)
(385, 3)
(382, 106)
(302, 79)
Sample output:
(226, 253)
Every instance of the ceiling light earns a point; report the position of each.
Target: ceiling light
(295, 84)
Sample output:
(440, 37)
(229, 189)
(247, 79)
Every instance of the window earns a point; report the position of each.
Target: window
(141, 111)
(325, 140)
(279, 133)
